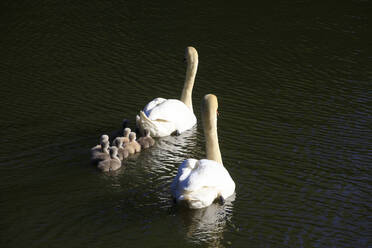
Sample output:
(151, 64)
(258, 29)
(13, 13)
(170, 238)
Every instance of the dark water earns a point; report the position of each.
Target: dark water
(293, 80)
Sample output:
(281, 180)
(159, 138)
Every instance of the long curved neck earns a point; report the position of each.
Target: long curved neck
(186, 96)
(211, 138)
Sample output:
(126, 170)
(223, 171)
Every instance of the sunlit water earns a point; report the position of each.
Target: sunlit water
(293, 82)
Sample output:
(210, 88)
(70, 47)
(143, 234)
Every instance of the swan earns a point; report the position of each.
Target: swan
(163, 117)
(199, 183)
(146, 141)
(112, 163)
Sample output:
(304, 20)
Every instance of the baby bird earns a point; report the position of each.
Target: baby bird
(133, 146)
(111, 164)
(122, 153)
(146, 141)
(103, 138)
(100, 152)
(126, 136)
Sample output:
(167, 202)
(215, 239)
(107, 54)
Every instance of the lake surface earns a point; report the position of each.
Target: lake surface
(293, 80)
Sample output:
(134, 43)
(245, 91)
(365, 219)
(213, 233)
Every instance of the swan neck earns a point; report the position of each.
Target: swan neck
(211, 139)
(186, 96)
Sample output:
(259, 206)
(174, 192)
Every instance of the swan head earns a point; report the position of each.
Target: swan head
(191, 55)
(127, 132)
(132, 136)
(113, 151)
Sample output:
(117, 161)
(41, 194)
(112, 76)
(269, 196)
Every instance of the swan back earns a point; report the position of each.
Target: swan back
(166, 117)
(200, 182)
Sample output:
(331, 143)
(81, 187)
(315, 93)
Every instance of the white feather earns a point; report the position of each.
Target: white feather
(162, 117)
(200, 182)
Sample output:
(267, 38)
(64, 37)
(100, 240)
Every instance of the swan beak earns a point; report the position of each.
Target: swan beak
(218, 114)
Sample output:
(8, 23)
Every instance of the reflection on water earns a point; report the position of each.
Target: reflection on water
(150, 172)
(207, 225)
(154, 170)
(159, 164)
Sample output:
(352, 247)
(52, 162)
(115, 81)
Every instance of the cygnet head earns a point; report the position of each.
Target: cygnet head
(127, 132)
(104, 137)
(105, 144)
(118, 142)
(113, 152)
(191, 55)
(132, 136)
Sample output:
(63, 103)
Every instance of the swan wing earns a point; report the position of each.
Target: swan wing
(157, 128)
(183, 172)
(175, 111)
(162, 117)
(147, 109)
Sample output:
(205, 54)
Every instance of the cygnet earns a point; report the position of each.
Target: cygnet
(103, 138)
(100, 152)
(126, 136)
(122, 153)
(146, 141)
(111, 164)
(133, 146)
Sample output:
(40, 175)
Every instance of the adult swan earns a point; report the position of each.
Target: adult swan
(162, 117)
(199, 182)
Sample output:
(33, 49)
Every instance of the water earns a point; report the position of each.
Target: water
(293, 83)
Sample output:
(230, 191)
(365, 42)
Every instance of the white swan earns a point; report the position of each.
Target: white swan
(162, 117)
(199, 182)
